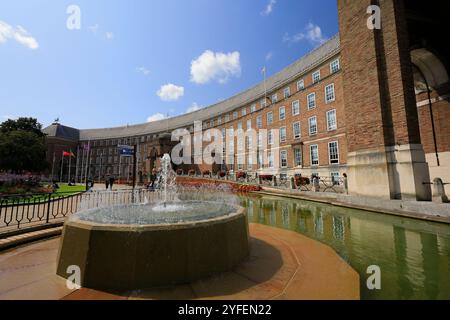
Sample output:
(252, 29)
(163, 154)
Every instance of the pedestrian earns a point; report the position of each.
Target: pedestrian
(345, 183)
(111, 182)
(107, 182)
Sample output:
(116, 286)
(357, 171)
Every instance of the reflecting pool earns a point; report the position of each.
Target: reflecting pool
(414, 255)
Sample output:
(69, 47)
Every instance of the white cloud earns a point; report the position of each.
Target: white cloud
(194, 107)
(269, 8)
(18, 34)
(143, 70)
(312, 33)
(7, 117)
(156, 117)
(215, 66)
(170, 92)
(269, 56)
(109, 35)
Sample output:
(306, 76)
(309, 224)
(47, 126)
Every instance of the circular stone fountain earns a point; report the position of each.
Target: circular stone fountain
(142, 246)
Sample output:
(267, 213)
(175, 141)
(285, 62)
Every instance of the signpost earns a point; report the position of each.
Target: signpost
(129, 151)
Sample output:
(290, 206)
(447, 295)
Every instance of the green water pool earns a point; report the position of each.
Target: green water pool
(413, 255)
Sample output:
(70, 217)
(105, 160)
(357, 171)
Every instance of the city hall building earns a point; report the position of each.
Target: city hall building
(372, 103)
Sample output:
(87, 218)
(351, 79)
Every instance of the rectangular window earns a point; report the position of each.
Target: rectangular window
(235, 115)
(249, 162)
(297, 157)
(283, 134)
(271, 159)
(239, 125)
(270, 137)
(312, 125)
(227, 118)
(335, 176)
(274, 98)
(334, 66)
(300, 85)
(249, 124)
(296, 130)
(329, 93)
(316, 76)
(283, 158)
(296, 108)
(260, 160)
(244, 112)
(260, 140)
(259, 122)
(269, 118)
(253, 107)
(287, 92)
(314, 153)
(282, 113)
(212, 123)
(263, 102)
(331, 120)
(333, 152)
(311, 98)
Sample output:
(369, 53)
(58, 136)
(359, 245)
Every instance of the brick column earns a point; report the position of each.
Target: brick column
(385, 156)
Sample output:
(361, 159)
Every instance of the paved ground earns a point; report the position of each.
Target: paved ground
(282, 265)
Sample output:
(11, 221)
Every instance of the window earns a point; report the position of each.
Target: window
(331, 120)
(274, 98)
(270, 137)
(263, 102)
(300, 85)
(239, 125)
(297, 157)
(244, 111)
(296, 108)
(259, 122)
(311, 98)
(312, 125)
(249, 140)
(335, 176)
(316, 76)
(260, 140)
(333, 152)
(296, 130)
(260, 160)
(287, 92)
(282, 113)
(334, 66)
(283, 158)
(211, 123)
(219, 120)
(235, 115)
(329, 93)
(283, 134)
(269, 118)
(314, 153)
(253, 107)
(271, 159)
(250, 162)
(227, 118)
(249, 124)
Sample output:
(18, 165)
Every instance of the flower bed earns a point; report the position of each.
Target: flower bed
(218, 185)
(266, 177)
(241, 175)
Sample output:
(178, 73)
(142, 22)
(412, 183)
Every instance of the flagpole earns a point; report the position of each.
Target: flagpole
(87, 161)
(101, 167)
(82, 164)
(62, 166)
(70, 164)
(265, 87)
(53, 166)
(76, 166)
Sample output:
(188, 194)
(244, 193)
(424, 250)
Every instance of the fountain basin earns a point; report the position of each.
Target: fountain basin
(137, 256)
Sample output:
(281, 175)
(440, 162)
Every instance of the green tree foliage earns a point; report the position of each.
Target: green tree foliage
(22, 146)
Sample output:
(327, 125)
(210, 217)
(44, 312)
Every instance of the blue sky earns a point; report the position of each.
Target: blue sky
(135, 59)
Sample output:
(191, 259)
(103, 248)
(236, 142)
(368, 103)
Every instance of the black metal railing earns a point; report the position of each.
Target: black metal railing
(35, 210)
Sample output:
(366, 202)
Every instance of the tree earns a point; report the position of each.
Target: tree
(22, 146)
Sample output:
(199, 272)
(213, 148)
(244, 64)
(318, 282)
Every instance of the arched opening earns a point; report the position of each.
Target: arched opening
(429, 71)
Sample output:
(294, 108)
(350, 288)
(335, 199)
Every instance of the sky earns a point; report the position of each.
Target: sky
(105, 63)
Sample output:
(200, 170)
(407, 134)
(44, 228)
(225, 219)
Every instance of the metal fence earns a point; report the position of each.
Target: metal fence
(34, 210)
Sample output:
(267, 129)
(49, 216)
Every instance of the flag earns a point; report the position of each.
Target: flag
(68, 154)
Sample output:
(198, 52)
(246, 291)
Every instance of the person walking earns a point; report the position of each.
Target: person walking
(107, 182)
(111, 182)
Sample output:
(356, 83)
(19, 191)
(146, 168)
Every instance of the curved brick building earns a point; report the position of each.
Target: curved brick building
(372, 103)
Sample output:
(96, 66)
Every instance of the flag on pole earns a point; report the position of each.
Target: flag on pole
(68, 154)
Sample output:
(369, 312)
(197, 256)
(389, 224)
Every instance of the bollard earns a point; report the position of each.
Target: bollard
(439, 194)
(293, 186)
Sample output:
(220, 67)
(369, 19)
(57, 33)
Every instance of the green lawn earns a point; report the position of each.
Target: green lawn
(64, 190)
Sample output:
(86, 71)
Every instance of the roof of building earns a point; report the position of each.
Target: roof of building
(57, 130)
(288, 74)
